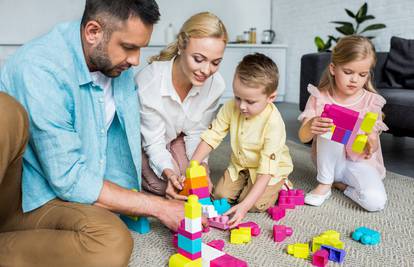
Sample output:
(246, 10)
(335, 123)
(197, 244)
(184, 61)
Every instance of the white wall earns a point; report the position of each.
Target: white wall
(297, 22)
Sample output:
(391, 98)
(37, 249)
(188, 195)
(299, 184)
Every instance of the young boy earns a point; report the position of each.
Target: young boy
(260, 161)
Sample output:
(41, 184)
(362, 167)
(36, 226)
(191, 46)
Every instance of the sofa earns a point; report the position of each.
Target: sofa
(398, 92)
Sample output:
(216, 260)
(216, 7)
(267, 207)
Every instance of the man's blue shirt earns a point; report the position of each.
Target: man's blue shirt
(70, 152)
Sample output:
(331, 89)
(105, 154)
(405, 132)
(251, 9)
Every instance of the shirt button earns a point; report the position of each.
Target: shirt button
(101, 161)
(239, 153)
(241, 133)
(101, 100)
(102, 131)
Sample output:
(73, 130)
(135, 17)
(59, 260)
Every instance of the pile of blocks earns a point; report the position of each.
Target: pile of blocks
(347, 124)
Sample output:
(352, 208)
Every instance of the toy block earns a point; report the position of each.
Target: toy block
(298, 250)
(201, 192)
(280, 232)
(209, 211)
(240, 235)
(346, 137)
(210, 253)
(181, 230)
(359, 143)
(193, 225)
(336, 255)
(276, 212)
(195, 170)
(137, 224)
(328, 135)
(197, 182)
(284, 201)
(338, 134)
(219, 222)
(192, 209)
(178, 260)
(191, 246)
(205, 229)
(217, 244)
(221, 205)
(369, 121)
(188, 255)
(298, 195)
(175, 240)
(228, 261)
(320, 258)
(341, 116)
(254, 227)
(329, 238)
(366, 236)
(205, 201)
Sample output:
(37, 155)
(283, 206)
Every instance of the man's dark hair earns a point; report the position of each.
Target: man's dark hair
(122, 10)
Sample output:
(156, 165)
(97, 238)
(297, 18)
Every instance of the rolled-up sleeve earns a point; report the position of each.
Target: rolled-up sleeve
(220, 126)
(54, 140)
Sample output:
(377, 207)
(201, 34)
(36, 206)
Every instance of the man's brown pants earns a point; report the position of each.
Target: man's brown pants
(59, 233)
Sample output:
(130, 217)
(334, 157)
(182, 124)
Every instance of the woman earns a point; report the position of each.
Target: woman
(179, 93)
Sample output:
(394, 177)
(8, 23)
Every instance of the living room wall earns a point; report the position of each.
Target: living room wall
(297, 22)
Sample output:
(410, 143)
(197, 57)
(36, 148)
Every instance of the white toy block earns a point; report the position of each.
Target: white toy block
(209, 211)
(193, 225)
(209, 253)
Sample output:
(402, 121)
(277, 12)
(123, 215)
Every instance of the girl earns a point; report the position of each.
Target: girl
(346, 82)
(179, 93)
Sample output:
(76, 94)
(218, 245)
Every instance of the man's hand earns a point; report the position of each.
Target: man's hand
(171, 213)
(237, 213)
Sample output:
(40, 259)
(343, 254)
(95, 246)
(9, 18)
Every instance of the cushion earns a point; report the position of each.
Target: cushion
(399, 68)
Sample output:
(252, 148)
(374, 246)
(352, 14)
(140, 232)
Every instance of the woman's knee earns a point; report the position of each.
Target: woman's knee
(373, 200)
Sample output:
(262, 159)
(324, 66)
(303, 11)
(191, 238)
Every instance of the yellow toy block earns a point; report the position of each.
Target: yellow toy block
(178, 260)
(359, 143)
(369, 122)
(299, 250)
(195, 170)
(192, 208)
(241, 235)
(329, 238)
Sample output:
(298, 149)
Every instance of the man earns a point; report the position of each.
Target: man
(83, 156)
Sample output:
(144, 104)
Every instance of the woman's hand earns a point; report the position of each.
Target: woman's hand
(237, 213)
(175, 184)
(320, 125)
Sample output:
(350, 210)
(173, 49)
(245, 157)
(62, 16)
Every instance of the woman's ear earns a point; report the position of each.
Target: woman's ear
(93, 32)
(332, 69)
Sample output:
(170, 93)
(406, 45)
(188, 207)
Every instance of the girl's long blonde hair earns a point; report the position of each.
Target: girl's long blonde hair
(349, 48)
(201, 25)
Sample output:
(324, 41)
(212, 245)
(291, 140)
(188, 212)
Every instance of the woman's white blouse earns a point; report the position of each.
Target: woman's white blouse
(164, 116)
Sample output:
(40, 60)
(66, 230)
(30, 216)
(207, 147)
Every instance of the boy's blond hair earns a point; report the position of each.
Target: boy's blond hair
(258, 70)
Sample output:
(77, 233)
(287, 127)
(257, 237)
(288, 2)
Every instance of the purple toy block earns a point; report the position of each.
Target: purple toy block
(280, 232)
(336, 255)
(219, 222)
(320, 258)
(201, 192)
(346, 137)
(217, 244)
(276, 212)
(338, 134)
(227, 261)
(342, 117)
(254, 227)
(189, 255)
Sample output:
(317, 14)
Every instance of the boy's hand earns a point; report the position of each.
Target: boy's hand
(321, 125)
(237, 213)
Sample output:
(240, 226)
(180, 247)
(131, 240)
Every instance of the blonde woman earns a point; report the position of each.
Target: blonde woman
(179, 92)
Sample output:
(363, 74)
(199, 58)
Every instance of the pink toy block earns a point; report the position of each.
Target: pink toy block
(181, 230)
(217, 244)
(175, 240)
(255, 229)
(201, 192)
(227, 261)
(219, 222)
(276, 212)
(320, 258)
(285, 201)
(297, 195)
(280, 232)
(338, 134)
(189, 255)
(342, 117)
(206, 229)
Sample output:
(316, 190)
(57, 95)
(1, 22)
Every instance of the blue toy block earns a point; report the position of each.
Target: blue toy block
(137, 224)
(336, 255)
(221, 205)
(346, 137)
(366, 236)
(191, 246)
(205, 201)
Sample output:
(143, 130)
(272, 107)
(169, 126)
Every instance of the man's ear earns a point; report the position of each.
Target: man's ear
(93, 32)
(332, 69)
(271, 98)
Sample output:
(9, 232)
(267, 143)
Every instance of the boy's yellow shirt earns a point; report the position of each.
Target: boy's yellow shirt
(258, 143)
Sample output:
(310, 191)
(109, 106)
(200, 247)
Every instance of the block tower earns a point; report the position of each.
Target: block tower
(189, 236)
(196, 183)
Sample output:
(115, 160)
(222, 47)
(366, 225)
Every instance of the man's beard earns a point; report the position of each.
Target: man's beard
(101, 62)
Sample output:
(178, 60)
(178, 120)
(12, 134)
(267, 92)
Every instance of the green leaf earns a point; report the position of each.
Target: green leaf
(367, 18)
(344, 23)
(345, 30)
(319, 43)
(362, 12)
(374, 27)
(349, 12)
(333, 38)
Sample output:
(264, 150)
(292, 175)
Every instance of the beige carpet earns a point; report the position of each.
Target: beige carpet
(396, 224)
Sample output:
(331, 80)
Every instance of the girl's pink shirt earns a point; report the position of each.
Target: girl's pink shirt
(368, 102)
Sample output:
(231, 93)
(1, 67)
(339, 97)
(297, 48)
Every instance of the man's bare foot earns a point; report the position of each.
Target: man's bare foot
(340, 186)
(321, 189)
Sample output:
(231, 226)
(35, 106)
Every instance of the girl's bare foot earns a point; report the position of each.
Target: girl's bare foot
(340, 186)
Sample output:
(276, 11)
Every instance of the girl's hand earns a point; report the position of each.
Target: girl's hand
(238, 212)
(320, 125)
(371, 146)
(174, 186)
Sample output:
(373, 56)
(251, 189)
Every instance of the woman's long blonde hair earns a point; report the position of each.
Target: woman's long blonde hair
(349, 48)
(201, 25)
